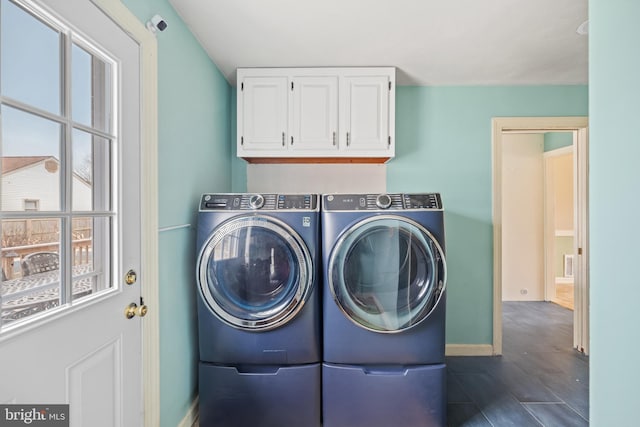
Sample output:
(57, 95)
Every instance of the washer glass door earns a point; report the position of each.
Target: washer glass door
(387, 273)
(255, 272)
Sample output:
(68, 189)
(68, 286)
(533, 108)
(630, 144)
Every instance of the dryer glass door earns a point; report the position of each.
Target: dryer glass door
(387, 273)
(255, 272)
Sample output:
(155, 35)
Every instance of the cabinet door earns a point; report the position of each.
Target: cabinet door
(315, 113)
(262, 114)
(365, 113)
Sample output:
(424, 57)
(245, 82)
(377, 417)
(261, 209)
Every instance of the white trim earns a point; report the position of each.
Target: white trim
(469, 350)
(191, 419)
(500, 125)
(564, 280)
(563, 233)
(149, 172)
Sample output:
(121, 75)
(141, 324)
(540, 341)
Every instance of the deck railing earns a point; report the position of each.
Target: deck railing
(81, 249)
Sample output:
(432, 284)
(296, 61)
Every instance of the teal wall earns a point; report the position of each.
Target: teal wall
(443, 143)
(556, 140)
(614, 92)
(193, 157)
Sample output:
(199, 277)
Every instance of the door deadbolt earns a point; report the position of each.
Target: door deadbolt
(131, 277)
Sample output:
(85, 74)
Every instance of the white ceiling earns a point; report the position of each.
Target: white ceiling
(431, 42)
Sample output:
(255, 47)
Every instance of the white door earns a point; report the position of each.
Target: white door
(581, 241)
(70, 125)
(365, 113)
(263, 113)
(315, 113)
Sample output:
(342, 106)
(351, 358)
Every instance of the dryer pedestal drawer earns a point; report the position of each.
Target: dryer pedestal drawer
(265, 396)
(383, 396)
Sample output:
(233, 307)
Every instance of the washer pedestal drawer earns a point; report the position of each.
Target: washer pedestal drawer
(255, 395)
(383, 396)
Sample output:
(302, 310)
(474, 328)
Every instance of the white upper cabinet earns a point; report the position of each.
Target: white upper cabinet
(365, 120)
(314, 122)
(316, 114)
(263, 114)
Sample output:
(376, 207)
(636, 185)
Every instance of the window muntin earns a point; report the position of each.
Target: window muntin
(62, 253)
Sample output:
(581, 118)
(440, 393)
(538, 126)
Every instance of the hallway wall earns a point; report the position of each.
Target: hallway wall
(614, 109)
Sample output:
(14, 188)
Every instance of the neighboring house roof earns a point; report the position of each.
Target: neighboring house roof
(10, 164)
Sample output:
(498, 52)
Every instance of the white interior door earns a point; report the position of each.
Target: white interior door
(70, 123)
(581, 241)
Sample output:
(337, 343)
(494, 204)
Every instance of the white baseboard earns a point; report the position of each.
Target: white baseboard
(191, 417)
(468, 350)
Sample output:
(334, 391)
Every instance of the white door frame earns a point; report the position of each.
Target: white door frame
(122, 16)
(500, 125)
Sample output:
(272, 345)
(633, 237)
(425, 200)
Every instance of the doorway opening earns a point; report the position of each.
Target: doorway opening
(529, 266)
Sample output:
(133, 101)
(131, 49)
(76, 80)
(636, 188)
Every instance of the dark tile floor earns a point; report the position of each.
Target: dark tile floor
(539, 379)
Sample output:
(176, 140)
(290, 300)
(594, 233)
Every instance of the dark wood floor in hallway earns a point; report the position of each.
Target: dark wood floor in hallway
(540, 380)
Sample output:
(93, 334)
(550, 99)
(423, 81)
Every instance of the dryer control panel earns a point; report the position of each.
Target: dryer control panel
(258, 202)
(357, 202)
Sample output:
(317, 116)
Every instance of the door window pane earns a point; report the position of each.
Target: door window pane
(30, 267)
(30, 58)
(90, 247)
(91, 90)
(30, 161)
(91, 172)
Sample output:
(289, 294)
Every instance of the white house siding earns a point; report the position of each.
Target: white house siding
(35, 182)
(82, 194)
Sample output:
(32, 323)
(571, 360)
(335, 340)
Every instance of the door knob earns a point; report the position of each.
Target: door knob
(130, 310)
(133, 310)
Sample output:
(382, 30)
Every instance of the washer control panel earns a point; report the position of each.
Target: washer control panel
(258, 202)
(356, 202)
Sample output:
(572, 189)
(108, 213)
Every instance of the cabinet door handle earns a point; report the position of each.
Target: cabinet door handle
(347, 139)
(334, 139)
(283, 139)
(291, 140)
